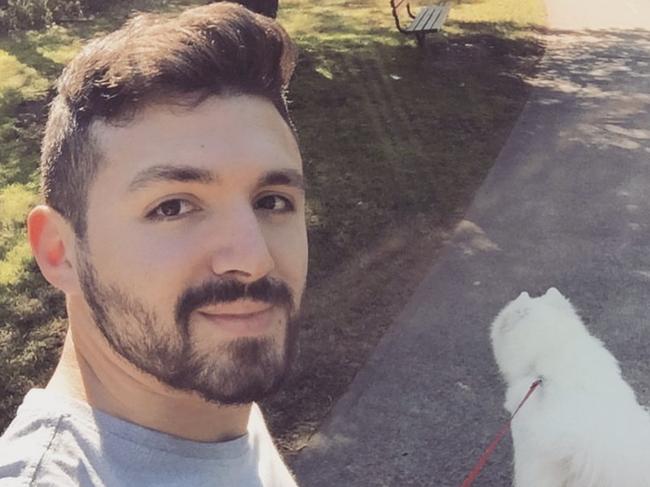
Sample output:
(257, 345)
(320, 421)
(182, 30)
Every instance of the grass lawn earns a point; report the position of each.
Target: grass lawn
(396, 140)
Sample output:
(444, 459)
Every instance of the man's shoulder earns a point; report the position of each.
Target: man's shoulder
(43, 446)
(47, 445)
(24, 445)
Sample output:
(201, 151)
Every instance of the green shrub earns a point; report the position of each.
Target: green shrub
(36, 14)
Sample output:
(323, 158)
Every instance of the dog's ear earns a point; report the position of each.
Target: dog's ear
(554, 293)
(556, 296)
(559, 300)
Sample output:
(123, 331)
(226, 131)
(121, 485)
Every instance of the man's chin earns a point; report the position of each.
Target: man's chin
(247, 390)
(248, 370)
(251, 393)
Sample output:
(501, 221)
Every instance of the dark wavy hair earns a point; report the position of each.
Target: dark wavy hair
(220, 49)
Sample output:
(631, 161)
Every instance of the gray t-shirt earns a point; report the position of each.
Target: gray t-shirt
(58, 441)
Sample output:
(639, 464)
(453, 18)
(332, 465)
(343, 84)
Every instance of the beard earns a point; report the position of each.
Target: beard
(240, 371)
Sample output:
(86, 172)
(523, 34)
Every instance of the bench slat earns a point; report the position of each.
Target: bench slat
(429, 19)
(444, 12)
(434, 20)
(420, 19)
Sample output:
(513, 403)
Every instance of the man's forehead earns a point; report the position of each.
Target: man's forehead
(229, 113)
(218, 131)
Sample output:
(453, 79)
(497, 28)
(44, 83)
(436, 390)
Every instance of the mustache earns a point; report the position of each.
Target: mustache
(267, 289)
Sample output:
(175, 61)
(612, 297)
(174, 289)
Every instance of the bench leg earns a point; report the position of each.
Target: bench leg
(419, 36)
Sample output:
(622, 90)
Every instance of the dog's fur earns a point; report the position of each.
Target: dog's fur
(583, 427)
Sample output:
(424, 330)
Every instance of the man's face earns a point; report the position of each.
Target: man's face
(195, 259)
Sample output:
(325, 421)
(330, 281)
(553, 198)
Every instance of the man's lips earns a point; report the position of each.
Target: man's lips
(245, 321)
(236, 309)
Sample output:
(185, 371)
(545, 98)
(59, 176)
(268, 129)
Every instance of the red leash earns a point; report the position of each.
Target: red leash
(490, 449)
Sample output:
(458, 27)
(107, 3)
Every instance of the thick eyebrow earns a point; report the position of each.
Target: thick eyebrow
(182, 174)
(154, 174)
(282, 177)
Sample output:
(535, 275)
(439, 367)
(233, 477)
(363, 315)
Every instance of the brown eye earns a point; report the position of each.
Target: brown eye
(170, 209)
(274, 203)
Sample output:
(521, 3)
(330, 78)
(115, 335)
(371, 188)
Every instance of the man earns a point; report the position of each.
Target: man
(174, 224)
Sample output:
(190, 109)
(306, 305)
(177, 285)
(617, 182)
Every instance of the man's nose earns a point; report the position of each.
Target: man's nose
(241, 249)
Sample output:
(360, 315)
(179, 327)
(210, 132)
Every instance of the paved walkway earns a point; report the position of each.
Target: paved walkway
(566, 204)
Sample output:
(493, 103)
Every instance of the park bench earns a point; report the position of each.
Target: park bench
(428, 19)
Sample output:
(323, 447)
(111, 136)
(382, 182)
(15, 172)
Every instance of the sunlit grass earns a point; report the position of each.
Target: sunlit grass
(13, 264)
(519, 12)
(371, 21)
(15, 201)
(57, 44)
(19, 78)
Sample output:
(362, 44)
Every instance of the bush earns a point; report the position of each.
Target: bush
(36, 14)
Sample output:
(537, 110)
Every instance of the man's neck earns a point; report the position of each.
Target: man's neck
(109, 384)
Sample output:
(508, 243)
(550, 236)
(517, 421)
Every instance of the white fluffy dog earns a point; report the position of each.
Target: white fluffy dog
(583, 427)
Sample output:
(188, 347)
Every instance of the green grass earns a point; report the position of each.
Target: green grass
(390, 132)
(391, 135)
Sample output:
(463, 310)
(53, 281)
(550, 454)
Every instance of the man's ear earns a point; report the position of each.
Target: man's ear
(52, 241)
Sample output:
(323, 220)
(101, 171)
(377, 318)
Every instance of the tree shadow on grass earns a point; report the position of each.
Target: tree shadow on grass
(27, 52)
(41, 49)
(396, 140)
(32, 325)
(21, 123)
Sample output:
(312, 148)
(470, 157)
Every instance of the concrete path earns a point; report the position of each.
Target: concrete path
(567, 204)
